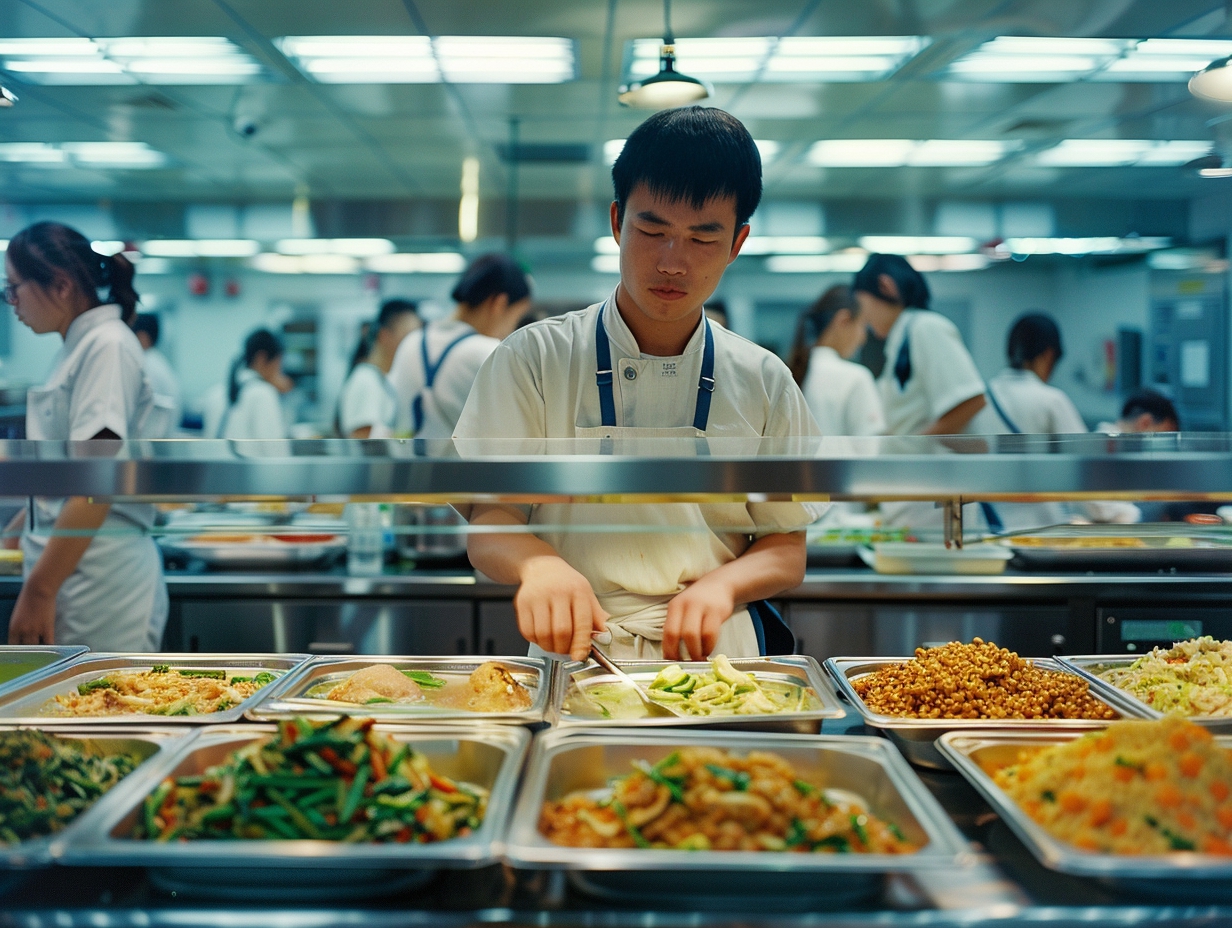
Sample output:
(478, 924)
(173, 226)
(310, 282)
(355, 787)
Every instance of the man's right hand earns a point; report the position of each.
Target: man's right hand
(556, 607)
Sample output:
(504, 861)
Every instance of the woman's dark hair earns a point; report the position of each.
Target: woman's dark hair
(45, 250)
(1154, 404)
(385, 318)
(262, 341)
(912, 288)
(1030, 336)
(149, 324)
(489, 276)
(691, 154)
(812, 325)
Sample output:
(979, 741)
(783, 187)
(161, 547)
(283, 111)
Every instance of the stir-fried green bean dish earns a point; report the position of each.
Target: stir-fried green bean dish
(335, 781)
(46, 782)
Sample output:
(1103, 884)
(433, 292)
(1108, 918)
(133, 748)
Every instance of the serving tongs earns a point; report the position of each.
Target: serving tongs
(652, 707)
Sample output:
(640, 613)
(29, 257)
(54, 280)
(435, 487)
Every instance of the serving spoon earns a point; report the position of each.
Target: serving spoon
(652, 707)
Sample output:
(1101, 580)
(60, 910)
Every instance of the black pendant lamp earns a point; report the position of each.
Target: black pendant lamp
(669, 87)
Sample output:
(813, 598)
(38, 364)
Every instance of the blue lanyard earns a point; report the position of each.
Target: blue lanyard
(992, 398)
(603, 377)
(430, 372)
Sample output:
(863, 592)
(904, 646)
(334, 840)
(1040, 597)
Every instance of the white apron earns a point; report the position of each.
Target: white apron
(116, 599)
(678, 548)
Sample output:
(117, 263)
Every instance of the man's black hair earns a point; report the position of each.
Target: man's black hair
(1154, 404)
(1030, 336)
(392, 309)
(913, 289)
(692, 154)
(147, 323)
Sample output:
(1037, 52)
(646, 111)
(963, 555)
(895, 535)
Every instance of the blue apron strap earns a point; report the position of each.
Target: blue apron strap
(603, 373)
(992, 517)
(902, 363)
(992, 398)
(773, 635)
(705, 384)
(430, 372)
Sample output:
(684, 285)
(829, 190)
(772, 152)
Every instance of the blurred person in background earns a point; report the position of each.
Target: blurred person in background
(368, 404)
(158, 370)
(255, 389)
(1023, 403)
(930, 384)
(1145, 411)
(841, 395)
(435, 366)
(93, 574)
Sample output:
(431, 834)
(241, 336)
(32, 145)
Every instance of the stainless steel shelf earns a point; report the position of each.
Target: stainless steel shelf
(995, 467)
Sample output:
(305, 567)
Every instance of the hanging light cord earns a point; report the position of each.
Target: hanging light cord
(668, 38)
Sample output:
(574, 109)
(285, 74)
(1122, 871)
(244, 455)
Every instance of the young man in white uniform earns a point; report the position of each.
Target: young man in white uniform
(93, 575)
(368, 404)
(646, 364)
(158, 371)
(435, 367)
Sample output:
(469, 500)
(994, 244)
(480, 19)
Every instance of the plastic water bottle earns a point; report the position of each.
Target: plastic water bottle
(365, 539)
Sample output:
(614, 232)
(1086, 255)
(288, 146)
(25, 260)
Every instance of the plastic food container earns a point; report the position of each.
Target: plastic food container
(919, 557)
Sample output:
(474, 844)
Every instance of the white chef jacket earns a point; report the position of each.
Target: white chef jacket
(367, 399)
(166, 387)
(540, 383)
(443, 403)
(842, 395)
(116, 599)
(943, 375)
(257, 410)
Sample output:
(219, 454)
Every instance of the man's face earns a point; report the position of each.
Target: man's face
(672, 256)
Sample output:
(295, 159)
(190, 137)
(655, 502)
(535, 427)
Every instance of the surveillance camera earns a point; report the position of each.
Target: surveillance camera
(246, 128)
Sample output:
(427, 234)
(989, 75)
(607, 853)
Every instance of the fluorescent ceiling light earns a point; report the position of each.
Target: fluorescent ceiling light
(270, 263)
(767, 148)
(114, 154)
(107, 247)
(155, 266)
(432, 262)
(31, 153)
(847, 262)
(1056, 59)
(866, 153)
(356, 247)
(129, 60)
(413, 59)
(605, 264)
(606, 245)
(785, 245)
(918, 244)
(1095, 245)
(933, 263)
(200, 248)
(794, 59)
(1121, 153)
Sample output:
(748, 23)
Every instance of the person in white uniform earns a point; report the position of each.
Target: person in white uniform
(158, 370)
(93, 574)
(841, 394)
(646, 364)
(255, 391)
(368, 404)
(435, 367)
(1025, 403)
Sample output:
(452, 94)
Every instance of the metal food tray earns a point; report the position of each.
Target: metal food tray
(916, 737)
(800, 670)
(263, 553)
(1172, 875)
(24, 704)
(563, 762)
(484, 755)
(1211, 549)
(21, 653)
(1088, 666)
(146, 743)
(290, 700)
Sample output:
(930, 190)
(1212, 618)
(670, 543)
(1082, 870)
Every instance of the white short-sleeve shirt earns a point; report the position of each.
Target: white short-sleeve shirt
(257, 410)
(842, 395)
(368, 400)
(442, 405)
(943, 374)
(1032, 406)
